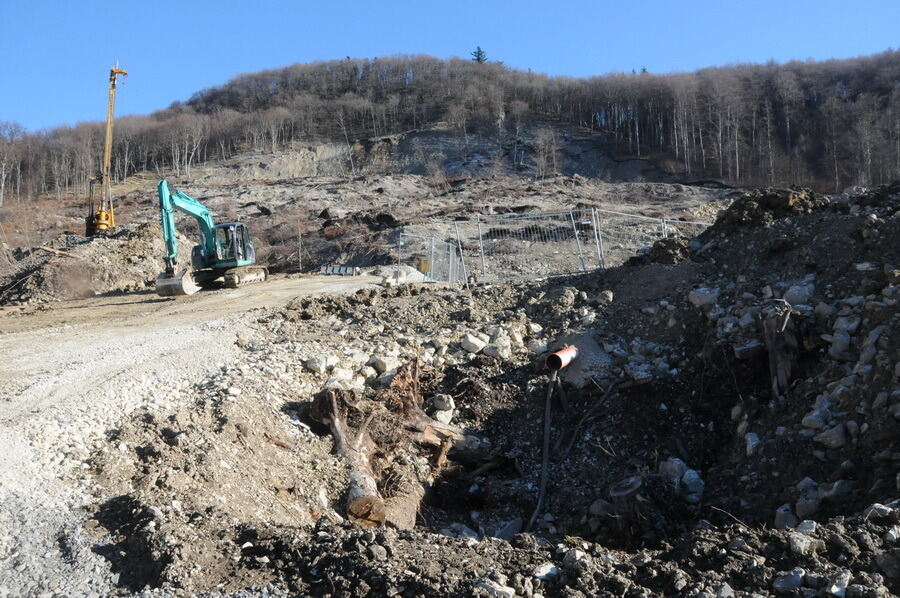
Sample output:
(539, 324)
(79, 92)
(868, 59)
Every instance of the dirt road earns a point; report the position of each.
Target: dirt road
(92, 341)
(70, 373)
(136, 309)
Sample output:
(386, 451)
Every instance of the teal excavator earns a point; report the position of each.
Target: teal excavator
(225, 254)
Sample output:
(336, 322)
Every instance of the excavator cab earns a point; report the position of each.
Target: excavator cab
(233, 245)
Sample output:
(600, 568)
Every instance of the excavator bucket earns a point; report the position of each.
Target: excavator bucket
(180, 283)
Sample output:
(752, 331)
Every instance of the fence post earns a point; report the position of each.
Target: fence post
(481, 246)
(577, 240)
(451, 262)
(598, 240)
(462, 260)
(431, 262)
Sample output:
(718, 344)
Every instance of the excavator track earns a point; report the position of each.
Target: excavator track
(238, 277)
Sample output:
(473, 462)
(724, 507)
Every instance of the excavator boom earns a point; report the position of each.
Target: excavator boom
(175, 282)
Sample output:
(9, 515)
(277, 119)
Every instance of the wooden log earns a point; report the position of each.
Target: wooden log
(462, 447)
(57, 252)
(365, 504)
(401, 509)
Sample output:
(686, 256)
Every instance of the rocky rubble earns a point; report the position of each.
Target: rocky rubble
(730, 429)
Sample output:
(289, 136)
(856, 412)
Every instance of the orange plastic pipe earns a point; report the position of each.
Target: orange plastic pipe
(562, 358)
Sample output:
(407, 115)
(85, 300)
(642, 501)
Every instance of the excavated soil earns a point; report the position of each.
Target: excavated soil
(745, 385)
(128, 259)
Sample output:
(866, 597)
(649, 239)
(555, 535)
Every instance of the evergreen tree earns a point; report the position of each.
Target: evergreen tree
(479, 56)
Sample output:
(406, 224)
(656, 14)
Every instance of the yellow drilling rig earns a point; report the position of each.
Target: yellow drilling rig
(104, 216)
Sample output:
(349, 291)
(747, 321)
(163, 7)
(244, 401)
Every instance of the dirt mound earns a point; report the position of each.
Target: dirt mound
(229, 459)
(670, 250)
(761, 207)
(71, 267)
(708, 561)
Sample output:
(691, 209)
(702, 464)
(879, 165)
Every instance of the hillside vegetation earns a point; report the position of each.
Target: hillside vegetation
(826, 124)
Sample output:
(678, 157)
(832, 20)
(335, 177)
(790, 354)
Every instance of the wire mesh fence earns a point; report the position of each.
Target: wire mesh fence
(437, 260)
(528, 245)
(623, 236)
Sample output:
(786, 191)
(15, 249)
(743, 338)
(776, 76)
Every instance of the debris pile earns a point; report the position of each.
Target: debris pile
(730, 429)
(74, 267)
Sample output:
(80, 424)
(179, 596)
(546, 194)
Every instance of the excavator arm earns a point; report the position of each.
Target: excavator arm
(170, 202)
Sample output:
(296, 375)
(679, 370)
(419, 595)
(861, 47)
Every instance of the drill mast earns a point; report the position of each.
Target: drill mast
(105, 217)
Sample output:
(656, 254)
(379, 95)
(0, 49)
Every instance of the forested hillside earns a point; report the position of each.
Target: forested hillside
(826, 124)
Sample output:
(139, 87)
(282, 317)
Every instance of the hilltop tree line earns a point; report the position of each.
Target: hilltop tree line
(827, 124)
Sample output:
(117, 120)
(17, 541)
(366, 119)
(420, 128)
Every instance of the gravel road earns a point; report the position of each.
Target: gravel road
(70, 374)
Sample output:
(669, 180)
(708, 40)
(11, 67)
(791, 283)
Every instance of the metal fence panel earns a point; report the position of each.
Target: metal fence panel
(626, 235)
(436, 259)
(509, 246)
(527, 245)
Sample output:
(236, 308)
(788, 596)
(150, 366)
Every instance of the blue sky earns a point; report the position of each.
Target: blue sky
(56, 53)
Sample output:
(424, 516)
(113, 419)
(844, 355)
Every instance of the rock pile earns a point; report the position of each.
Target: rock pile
(736, 433)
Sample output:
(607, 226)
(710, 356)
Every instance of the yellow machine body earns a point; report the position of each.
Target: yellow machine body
(104, 217)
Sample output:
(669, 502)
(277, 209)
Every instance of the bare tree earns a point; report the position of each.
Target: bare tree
(341, 119)
(546, 151)
(275, 119)
(458, 115)
(10, 135)
(825, 124)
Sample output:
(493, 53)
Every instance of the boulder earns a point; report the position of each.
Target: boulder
(472, 343)
(693, 485)
(833, 438)
(491, 588)
(500, 349)
(315, 365)
(752, 444)
(816, 420)
(837, 584)
(342, 374)
(673, 468)
(804, 545)
(384, 364)
(443, 402)
(785, 518)
(545, 571)
(788, 582)
(799, 294)
(703, 297)
(576, 559)
(445, 416)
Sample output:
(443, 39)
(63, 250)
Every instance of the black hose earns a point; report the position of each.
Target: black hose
(545, 456)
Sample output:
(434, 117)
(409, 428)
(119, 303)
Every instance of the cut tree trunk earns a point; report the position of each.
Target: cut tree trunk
(366, 503)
